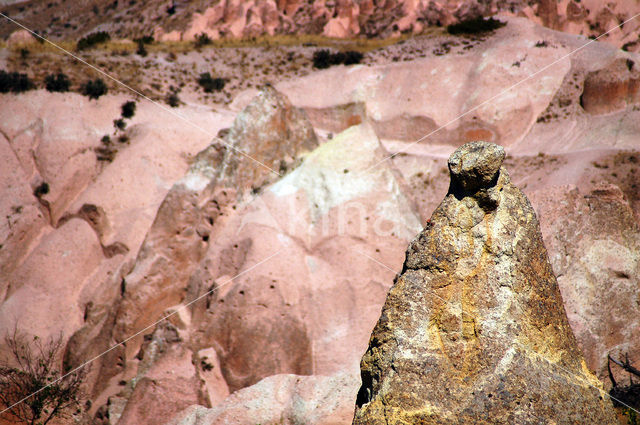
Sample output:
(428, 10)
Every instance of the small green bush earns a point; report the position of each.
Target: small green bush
(141, 50)
(323, 59)
(210, 84)
(94, 88)
(475, 26)
(353, 57)
(41, 189)
(119, 124)
(202, 39)
(173, 100)
(128, 109)
(14, 82)
(107, 153)
(57, 82)
(93, 39)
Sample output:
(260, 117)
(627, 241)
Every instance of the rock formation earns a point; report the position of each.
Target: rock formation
(269, 134)
(612, 88)
(330, 18)
(282, 399)
(64, 266)
(474, 330)
(596, 245)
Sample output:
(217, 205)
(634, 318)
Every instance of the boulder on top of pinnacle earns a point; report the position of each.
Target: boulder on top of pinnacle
(474, 330)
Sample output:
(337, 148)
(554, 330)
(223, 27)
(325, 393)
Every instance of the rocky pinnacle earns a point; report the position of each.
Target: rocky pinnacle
(474, 330)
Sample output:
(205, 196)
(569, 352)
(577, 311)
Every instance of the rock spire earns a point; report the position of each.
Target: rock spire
(474, 330)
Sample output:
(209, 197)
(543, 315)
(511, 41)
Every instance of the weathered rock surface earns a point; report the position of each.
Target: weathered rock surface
(282, 399)
(594, 242)
(290, 319)
(611, 88)
(474, 329)
(576, 216)
(167, 381)
(270, 134)
(275, 320)
(70, 243)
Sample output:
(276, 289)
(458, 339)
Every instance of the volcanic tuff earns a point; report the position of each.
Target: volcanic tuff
(179, 237)
(474, 330)
(567, 130)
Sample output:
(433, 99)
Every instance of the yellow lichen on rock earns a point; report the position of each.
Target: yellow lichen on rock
(474, 330)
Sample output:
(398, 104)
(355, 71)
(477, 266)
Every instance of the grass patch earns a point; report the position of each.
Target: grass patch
(362, 45)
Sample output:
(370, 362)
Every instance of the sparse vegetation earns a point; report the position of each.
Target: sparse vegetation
(475, 26)
(145, 39)
(93, 39)
(39, 37)
(541, 43)
(136, 72)
(14, 82)
(202, 39)
(128, 109)
(323, 59)
(119, 124)
(41, 189)
(57, 82)
(210, 84)
(173, 100)
(352, 57)
(29, 385)
(626, 397)
(141, 50)
(106, 153)
(94, 88)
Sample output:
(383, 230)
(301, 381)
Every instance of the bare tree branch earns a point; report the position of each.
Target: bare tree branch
(30, 375)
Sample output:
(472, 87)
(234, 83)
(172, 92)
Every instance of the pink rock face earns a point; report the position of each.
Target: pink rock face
(350, 18)
(288, 399)
(167, 383)
(291, 320)
(612, 88)
(20, 37)
(272, 134)
(75, 240)
(595, 241)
